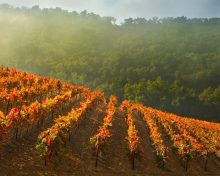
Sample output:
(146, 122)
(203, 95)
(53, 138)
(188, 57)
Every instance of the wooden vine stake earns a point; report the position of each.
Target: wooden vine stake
(7, 107)
(97, 152)
(45, 160)
(32, 126)
(16, 133)
(206, 162)
(166, 156)
(186, 165)
(21, 130)
(133, 160)
(38, 123)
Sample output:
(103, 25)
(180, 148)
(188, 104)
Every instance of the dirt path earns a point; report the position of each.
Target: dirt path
(20, 157)
(148, 165)
(173, 167)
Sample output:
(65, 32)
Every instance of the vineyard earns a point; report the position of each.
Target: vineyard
(52, 128)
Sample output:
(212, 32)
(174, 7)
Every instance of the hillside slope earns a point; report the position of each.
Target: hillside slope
(20, 157)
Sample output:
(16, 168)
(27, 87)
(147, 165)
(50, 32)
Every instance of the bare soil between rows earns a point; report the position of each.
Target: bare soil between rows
(20, 157)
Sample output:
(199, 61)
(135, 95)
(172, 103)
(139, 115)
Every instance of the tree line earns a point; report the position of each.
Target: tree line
(170, 64)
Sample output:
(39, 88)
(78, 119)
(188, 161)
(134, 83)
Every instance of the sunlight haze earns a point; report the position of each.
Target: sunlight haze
(131, 8)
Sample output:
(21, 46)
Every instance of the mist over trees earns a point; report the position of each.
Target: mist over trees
(172, 64)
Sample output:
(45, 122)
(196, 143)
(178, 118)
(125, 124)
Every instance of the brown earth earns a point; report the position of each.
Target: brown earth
(20, 157)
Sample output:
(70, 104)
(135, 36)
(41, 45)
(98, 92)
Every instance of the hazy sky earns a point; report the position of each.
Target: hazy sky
(121, 9)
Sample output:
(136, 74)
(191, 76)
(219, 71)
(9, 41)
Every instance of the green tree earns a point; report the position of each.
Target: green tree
(206, 96)
(115, 86)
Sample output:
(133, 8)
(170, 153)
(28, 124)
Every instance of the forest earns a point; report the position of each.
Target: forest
(170, 64)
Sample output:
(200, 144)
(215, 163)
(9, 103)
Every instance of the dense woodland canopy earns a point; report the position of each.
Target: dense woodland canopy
(171, 64)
